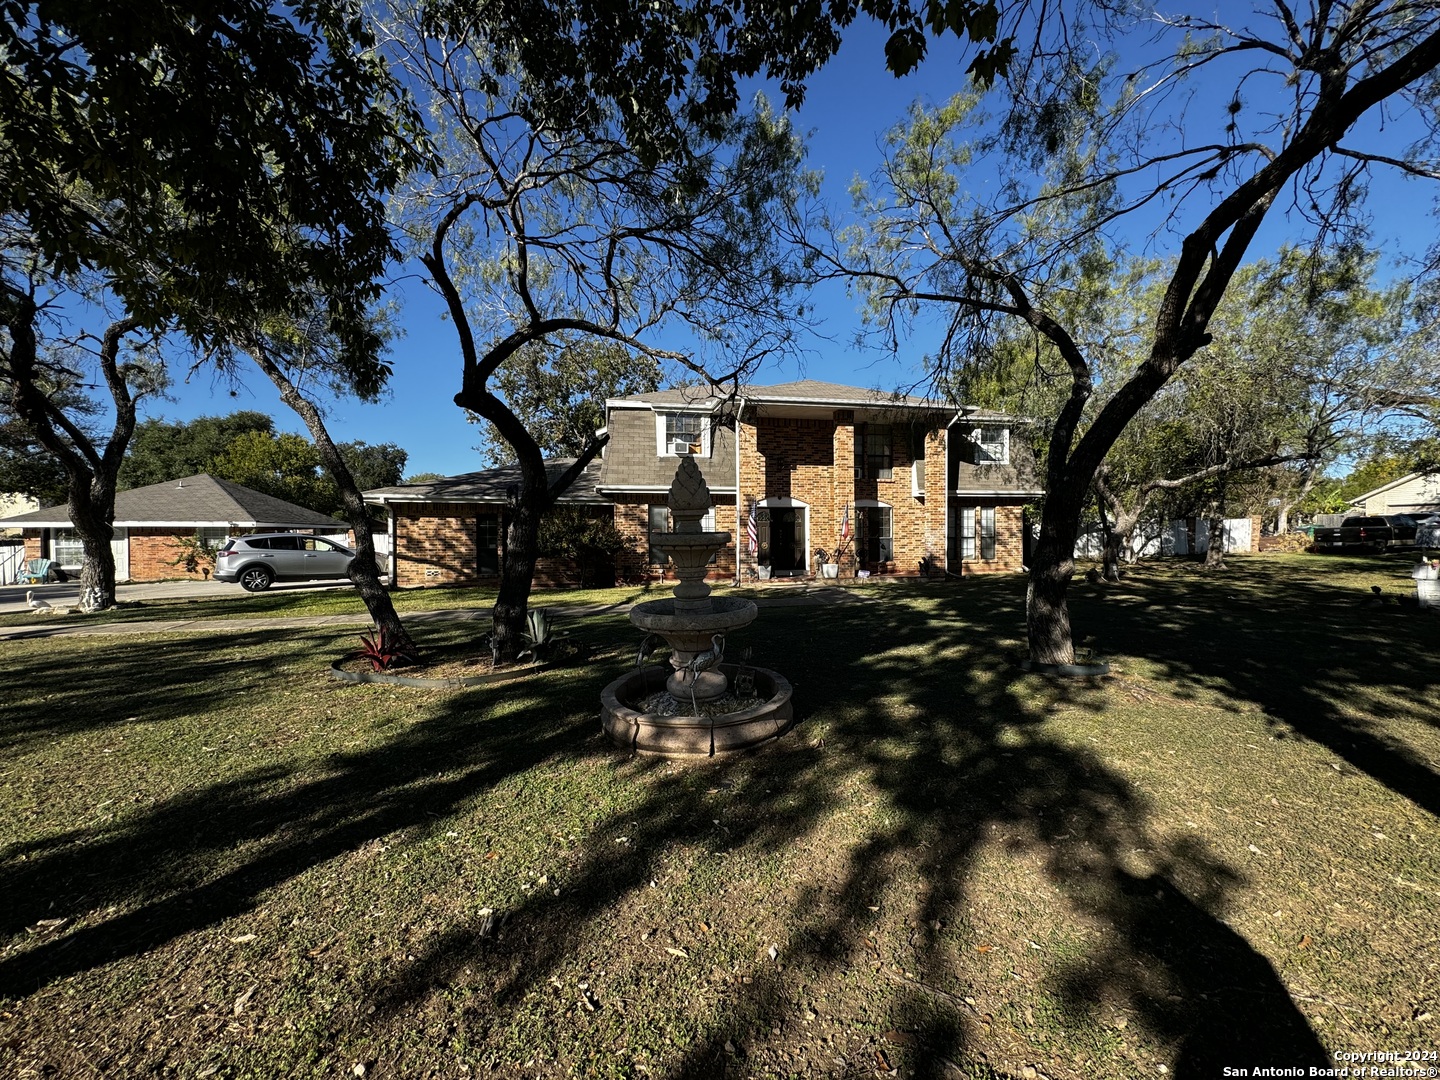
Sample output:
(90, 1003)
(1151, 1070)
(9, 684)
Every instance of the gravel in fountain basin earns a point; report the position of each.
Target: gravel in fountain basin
(665, 704)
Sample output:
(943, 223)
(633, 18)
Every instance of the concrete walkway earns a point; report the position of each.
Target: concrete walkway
(75, 623)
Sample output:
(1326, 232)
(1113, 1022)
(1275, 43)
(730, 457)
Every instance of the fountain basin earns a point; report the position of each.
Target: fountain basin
(660, 733)
(689, 627)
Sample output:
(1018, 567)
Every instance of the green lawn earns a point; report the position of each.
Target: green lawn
(216, 861)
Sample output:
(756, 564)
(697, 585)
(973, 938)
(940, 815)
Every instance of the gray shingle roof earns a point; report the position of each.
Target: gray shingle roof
(803, 392)
(191, 501)
(491, 486)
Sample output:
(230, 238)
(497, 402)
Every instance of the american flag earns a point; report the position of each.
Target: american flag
(845, 524)
(752, 530)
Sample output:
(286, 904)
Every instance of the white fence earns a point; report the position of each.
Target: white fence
(12, 558)
(380, 539)
(1174, 539)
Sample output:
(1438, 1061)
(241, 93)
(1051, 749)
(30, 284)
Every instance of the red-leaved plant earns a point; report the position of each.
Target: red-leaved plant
(378, 650)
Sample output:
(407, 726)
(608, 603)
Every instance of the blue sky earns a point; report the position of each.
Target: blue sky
(849, 105)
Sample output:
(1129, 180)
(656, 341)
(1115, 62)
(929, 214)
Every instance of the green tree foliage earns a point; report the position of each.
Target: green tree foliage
(206, 123)
(1083, 141)
(662, 67)
(245, 448)
(285, 466)
(589, 542)
(26, 467)
(558, 391)
(162, 450)
(195, 165)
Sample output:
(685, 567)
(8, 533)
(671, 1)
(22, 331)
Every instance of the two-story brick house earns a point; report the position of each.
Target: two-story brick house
(881, 483)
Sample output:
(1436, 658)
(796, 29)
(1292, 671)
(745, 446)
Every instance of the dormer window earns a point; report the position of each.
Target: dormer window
(683, 434)
(992, 446)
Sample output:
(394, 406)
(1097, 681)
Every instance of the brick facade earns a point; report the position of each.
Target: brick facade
(153, 555)
(1009, 535)
(814, 463)
(797, 458)
(153, 552)
(436, 544)
(632, 518)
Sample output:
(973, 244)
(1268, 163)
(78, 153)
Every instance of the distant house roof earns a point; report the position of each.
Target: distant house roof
(1415, 492)
(802, 392)
(191, 502)
(491, 486)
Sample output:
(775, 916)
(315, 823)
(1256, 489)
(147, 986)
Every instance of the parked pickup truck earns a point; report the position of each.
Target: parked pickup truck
(1367, 534)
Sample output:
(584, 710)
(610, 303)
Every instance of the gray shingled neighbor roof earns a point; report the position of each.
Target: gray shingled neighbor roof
(802, 392)
(190, 502)
(491, 486)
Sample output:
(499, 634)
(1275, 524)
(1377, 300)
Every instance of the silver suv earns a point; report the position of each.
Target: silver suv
(258, 560)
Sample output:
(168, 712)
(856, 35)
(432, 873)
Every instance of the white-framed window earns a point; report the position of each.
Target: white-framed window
(213, 536)
(66, 550)
(874, 453)
(992, 445)
(967, 532)
(682, 434)
(659, 524)
(987, 532)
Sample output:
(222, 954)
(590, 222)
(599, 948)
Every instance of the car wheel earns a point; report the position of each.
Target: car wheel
(256, 579)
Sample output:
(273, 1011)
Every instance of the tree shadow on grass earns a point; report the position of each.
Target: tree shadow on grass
(912, 699)
(172, 869)
(922, 709)
(1316, 662)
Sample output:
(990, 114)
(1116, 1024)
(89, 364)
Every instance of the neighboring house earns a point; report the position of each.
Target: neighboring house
(13, 503)
(1417, 494)
(905, 478)
(452, 531)
(12, 549)
(149, 522)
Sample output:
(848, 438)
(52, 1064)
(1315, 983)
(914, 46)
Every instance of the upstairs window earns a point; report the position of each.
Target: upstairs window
(874, 458)
(682, 434)
(992, 446)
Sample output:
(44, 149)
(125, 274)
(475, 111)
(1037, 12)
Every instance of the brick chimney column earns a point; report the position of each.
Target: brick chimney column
(752, 489)
(842, 486)
(937, 499)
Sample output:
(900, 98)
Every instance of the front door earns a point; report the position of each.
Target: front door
(787, 540)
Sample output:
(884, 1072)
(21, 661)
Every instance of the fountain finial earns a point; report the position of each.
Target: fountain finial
(689, 497)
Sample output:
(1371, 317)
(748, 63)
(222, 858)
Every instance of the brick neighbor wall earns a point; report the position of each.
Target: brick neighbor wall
(435, 544)
(153, 552)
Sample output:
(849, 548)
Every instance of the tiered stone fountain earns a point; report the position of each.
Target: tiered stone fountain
(699, 704)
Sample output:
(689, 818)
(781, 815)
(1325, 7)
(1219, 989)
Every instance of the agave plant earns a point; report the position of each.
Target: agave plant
(541, 635)
(377, 648)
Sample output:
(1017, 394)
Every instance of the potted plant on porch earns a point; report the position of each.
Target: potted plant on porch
(829, 566)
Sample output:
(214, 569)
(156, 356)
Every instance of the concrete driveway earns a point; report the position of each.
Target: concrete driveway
(12, 597)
